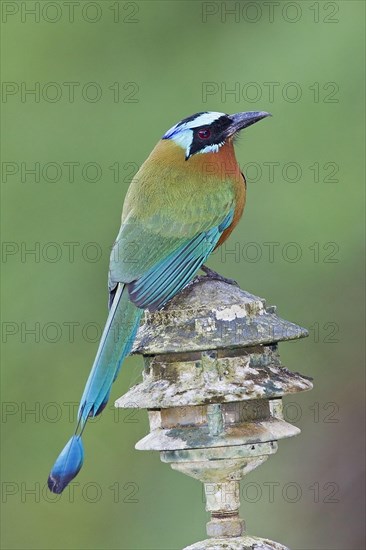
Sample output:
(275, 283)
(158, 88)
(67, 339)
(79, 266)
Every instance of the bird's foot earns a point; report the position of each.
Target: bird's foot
(213, 275)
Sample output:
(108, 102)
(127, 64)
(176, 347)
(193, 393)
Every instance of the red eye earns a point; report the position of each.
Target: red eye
(204, 134)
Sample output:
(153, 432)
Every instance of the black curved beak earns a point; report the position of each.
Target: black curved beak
(243, 120)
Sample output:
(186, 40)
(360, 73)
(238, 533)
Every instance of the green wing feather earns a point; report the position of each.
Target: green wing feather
(150, 233)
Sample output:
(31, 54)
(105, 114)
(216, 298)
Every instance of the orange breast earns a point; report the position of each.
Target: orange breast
(226, 163)
(240, 203)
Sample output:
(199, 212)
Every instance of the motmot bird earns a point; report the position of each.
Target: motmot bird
(184, 202)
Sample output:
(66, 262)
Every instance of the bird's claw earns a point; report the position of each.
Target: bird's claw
(211, 274)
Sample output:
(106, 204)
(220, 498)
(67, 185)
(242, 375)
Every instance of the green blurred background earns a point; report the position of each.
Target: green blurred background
(162, 55)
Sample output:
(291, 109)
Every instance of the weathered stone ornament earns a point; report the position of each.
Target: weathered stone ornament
(213, 385)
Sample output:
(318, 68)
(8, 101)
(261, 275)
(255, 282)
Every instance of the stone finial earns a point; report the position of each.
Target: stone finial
(213, 385)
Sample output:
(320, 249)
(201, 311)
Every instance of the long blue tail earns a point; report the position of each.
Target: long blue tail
(116, 342)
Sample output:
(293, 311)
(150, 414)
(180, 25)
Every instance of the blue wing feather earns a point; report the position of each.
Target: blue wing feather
(165, 279)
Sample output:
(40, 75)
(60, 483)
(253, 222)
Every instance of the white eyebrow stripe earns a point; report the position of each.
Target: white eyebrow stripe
(202, 120)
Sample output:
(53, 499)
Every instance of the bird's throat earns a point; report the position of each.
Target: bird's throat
(222, 164)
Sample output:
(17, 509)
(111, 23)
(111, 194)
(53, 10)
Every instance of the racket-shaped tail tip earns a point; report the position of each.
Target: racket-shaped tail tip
(67, 465)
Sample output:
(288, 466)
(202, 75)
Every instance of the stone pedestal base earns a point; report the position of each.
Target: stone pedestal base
(237, 543)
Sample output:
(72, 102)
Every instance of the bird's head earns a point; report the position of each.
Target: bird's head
(207, 132)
